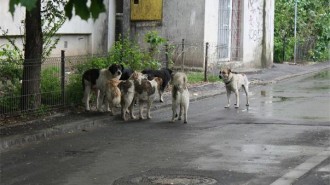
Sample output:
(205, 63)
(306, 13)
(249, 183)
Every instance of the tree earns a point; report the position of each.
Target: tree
(312, 28)
(30, 94)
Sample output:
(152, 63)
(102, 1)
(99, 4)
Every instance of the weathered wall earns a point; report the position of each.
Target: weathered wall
(77, 37)
(181, 20)
(258, 31)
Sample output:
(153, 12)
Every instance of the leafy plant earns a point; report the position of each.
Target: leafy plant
(50, 85)
(313, 26)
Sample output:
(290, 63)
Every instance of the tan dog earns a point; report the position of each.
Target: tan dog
(127, 89)
(180, 96)
(233, 83)
(113, 94)
(146, 93)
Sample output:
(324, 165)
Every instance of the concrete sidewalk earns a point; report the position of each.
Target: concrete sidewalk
(59, 124)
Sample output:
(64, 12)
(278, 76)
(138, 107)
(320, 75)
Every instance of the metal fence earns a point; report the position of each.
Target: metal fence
(58, 80)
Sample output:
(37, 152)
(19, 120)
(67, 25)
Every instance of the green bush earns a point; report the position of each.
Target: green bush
(74, 90)
(51, 86)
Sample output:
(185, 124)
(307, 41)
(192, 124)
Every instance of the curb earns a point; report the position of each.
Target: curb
(8, 142)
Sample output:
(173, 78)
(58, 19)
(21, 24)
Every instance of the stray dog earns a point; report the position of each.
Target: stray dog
(233, 82)
(126, 74)
(96, 79)
(127, 89)
(113, 94)
(180, 96)
(145, 94)
(164, 74)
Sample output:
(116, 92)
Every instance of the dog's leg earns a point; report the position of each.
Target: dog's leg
(246, 90)
(112, 109)
(185, 113)
(181, 111)
(161, 96)
(86, 97)
(237, 99)
(99, 100)
(131, 106)
(148, 109)
(174, 113)
(186, 107)
(141, 105)
(228, 99)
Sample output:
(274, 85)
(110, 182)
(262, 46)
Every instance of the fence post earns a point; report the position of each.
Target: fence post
(166, 55)
(62, 76)
(206, 58)
(182, 57)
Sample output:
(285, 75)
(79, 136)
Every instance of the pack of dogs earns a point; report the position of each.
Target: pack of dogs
(117, 86)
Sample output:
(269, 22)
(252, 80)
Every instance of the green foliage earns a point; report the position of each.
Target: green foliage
(313, 29)
(10, 65)
(74, 89)
(197, 77)
(50, 85)
(130, 54)
(80, 6)
(154, 40)
(52, 18)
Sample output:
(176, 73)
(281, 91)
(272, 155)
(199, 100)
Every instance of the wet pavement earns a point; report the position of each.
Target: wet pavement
(282, 138)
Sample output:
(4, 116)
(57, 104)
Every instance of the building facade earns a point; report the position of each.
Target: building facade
(240, 32)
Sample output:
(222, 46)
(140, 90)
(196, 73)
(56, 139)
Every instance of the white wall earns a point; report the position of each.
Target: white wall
(82, 37)
(253, 31)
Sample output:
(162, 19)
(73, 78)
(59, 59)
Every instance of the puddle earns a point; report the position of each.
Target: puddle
(305, 97)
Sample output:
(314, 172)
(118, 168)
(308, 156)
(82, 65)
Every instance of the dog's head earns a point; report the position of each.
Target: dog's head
(116, 70)
(224, 73)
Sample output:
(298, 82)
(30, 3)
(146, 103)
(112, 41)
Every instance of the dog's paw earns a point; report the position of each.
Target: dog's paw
(247, 105)
(172, 121)
(236, 107)
(185, 122)
(227, 106)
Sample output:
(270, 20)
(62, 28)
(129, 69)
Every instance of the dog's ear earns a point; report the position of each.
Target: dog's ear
(122, 67)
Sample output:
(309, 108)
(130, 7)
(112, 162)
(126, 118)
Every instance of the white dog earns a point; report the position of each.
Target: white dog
(233, 83)
(180, 96)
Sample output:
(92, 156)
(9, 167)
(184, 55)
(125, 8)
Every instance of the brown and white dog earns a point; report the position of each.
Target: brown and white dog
(96, 80)
(233, 82)
(113, 94)
(146, 93)
(127, 89)
(180, 96)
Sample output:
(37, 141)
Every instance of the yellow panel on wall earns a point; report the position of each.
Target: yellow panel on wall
(146, 10)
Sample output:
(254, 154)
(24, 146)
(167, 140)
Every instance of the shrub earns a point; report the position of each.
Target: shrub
(50, 86)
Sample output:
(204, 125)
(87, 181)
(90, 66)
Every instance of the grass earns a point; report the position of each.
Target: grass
(197, 77)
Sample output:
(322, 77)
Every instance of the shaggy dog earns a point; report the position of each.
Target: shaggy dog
(96, 79)
(113, 94)
(180, 96)
(146, 92)
(233, 82)
(127, 89)
(164, 74)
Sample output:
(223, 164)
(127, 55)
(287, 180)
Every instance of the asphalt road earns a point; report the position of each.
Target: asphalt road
(283, 138)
